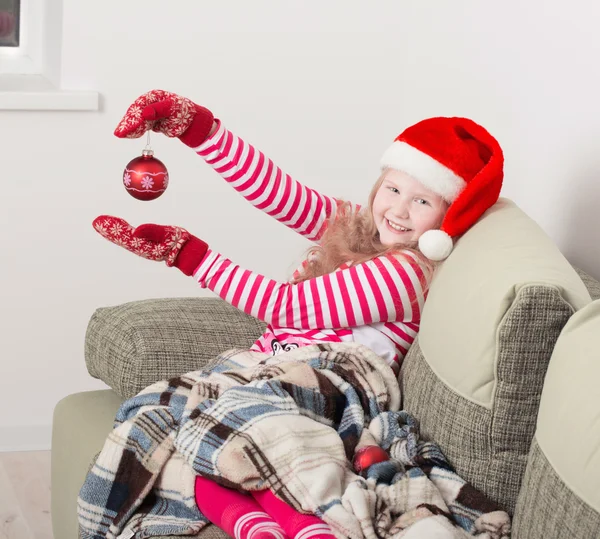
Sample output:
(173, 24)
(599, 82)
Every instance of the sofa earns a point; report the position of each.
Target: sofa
(502, 376)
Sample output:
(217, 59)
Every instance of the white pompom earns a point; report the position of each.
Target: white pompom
(435, 244)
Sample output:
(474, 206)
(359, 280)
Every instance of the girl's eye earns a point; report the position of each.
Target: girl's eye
(393, 189)
(421, 201)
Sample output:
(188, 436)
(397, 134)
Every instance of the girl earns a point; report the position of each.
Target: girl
(364, 281)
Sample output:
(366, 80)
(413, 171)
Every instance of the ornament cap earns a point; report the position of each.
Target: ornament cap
(147, 153)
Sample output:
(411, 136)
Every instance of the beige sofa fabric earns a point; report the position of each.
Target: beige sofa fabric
(476, 390)
(561, 490)
(476, 286)
(548, 509)
(80, 425)
(568, 430)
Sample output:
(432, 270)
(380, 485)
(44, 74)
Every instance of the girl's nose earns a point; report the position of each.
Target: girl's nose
(401, 209)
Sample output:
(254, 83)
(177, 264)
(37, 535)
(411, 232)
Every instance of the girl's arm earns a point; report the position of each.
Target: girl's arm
(265, 185)
(386, 289)
(248, 170)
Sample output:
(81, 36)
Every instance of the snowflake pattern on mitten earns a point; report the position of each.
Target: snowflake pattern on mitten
(181, 114)
(120, 232)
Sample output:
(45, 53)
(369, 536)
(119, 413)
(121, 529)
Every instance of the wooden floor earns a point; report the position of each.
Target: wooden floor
(25, 495)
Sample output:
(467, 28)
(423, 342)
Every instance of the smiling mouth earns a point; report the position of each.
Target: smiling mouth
(397, 228)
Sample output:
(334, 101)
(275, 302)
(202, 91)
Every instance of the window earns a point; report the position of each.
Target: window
(30, 59)
(22, 45)
(10, 14)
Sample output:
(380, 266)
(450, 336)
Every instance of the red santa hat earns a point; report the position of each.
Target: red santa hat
(460, 161)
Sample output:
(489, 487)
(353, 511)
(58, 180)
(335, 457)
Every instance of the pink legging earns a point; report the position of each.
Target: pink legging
(260, 515)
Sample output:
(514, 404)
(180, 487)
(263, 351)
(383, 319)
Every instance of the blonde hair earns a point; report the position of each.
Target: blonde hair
(352, 237)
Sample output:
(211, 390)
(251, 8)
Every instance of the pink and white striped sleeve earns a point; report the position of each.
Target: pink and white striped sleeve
(386, 289)
(266, 186)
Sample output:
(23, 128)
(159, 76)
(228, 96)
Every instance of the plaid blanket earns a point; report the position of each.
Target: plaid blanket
(290, 423)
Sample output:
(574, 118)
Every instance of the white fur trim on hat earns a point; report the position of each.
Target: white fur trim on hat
(435, 244)
(423, 168)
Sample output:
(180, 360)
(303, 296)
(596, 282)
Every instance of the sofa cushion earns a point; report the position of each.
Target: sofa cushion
(474, 375)
(560, 495)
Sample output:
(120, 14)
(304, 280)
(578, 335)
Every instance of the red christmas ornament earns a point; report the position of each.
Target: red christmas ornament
(367, 456)
(145, 177)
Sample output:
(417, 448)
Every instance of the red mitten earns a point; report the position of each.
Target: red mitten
(166, 113)
(172, 244)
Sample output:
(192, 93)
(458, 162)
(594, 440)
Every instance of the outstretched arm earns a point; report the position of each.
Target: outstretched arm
(387, 288)
(266, 186)
(244, 167)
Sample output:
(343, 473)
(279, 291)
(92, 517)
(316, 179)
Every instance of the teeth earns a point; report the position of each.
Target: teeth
(398, 227)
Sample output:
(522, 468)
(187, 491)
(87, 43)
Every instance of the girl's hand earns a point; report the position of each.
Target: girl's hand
(167, 113)
(171, 244)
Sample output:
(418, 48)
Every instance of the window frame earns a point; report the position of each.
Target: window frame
(27, 58)
(30, 74)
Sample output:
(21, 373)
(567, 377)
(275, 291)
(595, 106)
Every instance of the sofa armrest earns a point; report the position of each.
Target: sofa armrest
(133, 345)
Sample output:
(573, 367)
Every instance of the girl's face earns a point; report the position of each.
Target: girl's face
(403, 208)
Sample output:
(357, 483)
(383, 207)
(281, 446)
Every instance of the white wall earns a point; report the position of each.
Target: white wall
(321, 87)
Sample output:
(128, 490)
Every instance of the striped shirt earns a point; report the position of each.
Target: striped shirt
(377, 303)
